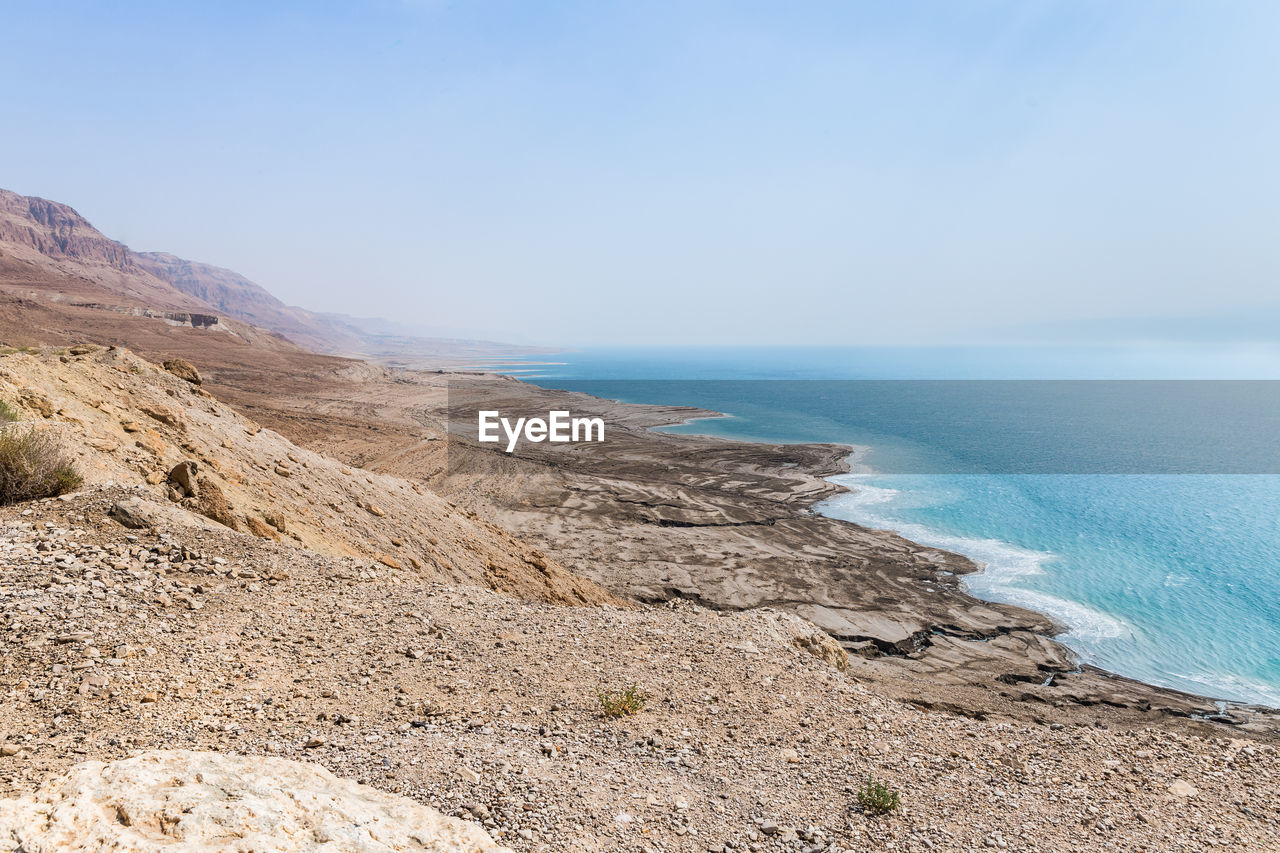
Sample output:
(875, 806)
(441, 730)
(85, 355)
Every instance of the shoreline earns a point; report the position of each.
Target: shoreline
(656, 516)
(1060, 626)
(1010, 593)
(1212, 708)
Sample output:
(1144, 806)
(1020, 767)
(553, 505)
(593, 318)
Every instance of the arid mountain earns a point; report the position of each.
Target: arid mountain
(57, 255)
(49, 253)
(232, 294)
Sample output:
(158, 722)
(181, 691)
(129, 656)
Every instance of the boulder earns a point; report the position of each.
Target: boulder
(183, 369)
(804, 635)
(183, 476)
(132, 514)
(200, 802)
(212, 503)
(140, 514)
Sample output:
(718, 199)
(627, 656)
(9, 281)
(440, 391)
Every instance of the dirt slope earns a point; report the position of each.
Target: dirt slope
(132, 422)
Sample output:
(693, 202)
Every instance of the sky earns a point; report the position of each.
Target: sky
(639, 173)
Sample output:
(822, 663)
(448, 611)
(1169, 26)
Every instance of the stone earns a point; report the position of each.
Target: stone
(198, 801)
(808, 637)
(260, 528)
(165, 416)
(213, 504)
(184, 369)
(183, 475)
(1182, 788)
(131, 514)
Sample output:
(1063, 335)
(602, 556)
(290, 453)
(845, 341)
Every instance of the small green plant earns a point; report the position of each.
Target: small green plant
(33, 464)
(8, 414)
(877, 797)
(623, 703)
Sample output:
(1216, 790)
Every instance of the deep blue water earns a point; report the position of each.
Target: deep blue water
(1145, 516)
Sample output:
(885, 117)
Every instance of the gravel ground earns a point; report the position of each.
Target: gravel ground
(486, 707)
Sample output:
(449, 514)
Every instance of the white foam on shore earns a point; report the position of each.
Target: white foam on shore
(1225, 683)
(1003, 565)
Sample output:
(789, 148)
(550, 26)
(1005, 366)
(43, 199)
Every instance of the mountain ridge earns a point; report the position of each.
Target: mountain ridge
(49, 252)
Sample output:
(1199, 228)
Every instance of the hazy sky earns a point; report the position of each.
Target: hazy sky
(645, 172)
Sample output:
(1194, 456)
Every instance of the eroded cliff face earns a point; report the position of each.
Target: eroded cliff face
(58, 231)
(58, 255)
(52, 257)
(50, 252)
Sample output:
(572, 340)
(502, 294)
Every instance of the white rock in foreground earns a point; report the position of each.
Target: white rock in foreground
(205, 801)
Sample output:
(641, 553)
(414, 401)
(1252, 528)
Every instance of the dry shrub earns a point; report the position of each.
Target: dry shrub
(877, 798)
(33, 464)
(622, 703)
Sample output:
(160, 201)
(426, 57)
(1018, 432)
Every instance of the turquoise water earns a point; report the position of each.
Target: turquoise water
(1145, 517)
(1172, 579)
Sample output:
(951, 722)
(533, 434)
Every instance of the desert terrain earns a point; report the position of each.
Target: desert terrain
(286, 554)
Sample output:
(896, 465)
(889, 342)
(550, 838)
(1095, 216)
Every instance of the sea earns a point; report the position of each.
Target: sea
(1131, 492)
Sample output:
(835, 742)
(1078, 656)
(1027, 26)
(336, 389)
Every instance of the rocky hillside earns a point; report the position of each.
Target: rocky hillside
(133, 422)
(43, 241)
(118, 642)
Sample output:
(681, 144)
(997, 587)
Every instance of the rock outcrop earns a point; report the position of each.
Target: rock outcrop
(204, 801)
